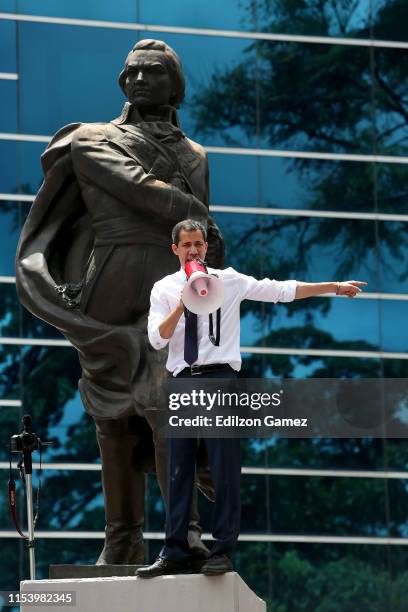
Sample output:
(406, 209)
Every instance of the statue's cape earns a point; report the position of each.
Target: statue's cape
(122, 374)
(119, 365)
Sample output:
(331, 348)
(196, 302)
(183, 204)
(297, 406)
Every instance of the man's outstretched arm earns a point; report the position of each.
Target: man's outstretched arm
(350, 288)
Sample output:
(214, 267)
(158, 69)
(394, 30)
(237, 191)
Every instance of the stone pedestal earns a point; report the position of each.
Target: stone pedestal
(183, 593)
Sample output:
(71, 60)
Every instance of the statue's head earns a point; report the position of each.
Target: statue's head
(152, 75)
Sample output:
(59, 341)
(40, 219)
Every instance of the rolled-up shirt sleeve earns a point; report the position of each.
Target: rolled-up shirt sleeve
(267, 290)
(159, 309)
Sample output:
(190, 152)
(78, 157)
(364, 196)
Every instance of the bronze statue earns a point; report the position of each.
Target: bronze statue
(95, 242)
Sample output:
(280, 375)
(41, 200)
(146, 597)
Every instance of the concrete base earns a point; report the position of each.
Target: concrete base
(90, 571)
(184, 593)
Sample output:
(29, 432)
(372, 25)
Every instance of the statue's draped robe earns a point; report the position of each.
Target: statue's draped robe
(103, 218)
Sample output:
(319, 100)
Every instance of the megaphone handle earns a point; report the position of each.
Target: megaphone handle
(215, 340)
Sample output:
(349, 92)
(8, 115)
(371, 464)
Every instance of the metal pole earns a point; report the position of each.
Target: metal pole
(30, 522)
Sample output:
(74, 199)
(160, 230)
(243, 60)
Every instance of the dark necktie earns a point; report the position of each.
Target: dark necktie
(190, 338)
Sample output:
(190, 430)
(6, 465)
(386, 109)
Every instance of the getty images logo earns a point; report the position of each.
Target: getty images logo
(220, 399)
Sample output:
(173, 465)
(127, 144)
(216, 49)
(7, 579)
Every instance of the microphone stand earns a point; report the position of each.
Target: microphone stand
(25, 443)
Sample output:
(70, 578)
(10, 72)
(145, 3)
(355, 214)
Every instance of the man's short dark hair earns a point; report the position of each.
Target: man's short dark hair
(188, 225)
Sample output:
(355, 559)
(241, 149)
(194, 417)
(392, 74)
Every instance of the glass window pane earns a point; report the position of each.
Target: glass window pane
(229, 15)
(21, 168)
(307, 184)
(121, 10)
(8, 169)
(9, 6)
(317, 184)
(305, 366)
(49, 379)
(48, 551)
(10, 215)
(361, 454)
(17, 322)
(76, 76)
(8, 50)
(8, 116)
(233, 180)
(396, 455)
(391, 74)
(391, 181)
(328, 510)
(390, 20)
(393, 325)
(10, 360)
(308, 97)
(325, 576)
(315, 97)
(393, 237)
(345, 20)
(325, 323)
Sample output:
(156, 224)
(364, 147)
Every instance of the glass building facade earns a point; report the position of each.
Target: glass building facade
(303, 109)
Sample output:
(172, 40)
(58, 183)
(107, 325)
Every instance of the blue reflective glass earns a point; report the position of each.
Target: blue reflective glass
(233, 180)
(393, 251)
(79, 506)
(49, 551)
(396, 453)
(390, 93)
(230, 14)
(20, 170)
(8, 166)
(10, 310)
(391, 181)
(323, 567)
(8, 50)
(10, 359)
(9, 6)
(50, 379)
(311, 97)
(120, 10)
(345, 20)
(326, 514)
(10, 214)
(305, 366)
(317, 185)
(390, 20)
(398, 501)
(393, 315)
(76, 75)
(8, 115)
(325, 323)
(17, 322)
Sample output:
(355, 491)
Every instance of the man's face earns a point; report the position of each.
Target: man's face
(148, 83)
(190, 246)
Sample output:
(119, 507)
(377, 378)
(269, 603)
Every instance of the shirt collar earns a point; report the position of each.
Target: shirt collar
(169, 114)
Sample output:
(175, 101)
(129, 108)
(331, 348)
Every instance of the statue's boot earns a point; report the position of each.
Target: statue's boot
(123, 488)
(197, 546)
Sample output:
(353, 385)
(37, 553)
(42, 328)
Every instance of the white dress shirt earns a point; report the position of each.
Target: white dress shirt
(165, 297)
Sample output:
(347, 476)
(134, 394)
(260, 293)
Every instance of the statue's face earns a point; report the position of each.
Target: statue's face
(148, 83)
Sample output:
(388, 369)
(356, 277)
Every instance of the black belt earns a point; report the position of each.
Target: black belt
(195, 370)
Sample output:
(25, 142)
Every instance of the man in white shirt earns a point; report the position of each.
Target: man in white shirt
(193, 353)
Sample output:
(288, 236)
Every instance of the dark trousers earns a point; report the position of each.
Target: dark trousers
(225, 464)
